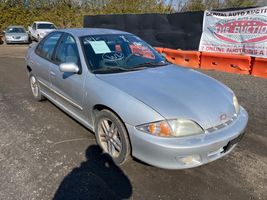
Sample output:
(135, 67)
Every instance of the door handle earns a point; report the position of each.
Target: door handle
(52, 73)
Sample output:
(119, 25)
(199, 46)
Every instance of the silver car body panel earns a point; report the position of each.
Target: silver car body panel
(145, 96)
(177, 92)
(43, 32)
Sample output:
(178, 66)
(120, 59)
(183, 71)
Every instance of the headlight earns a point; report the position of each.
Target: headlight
(172, 128)
(236, 104)
(9, 37)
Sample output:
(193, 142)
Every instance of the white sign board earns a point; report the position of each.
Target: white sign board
(100, 47)
(235, 32)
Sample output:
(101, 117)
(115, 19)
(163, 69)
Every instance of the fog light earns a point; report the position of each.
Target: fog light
(189, 160)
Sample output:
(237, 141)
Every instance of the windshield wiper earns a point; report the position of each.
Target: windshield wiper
(110, 69)
(149, 64)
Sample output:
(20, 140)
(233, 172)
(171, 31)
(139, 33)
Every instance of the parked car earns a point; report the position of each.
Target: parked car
(39, 29)
(16, 34)
(1, 38)
(134, 101)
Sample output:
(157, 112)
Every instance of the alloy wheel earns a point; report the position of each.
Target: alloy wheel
(34, 86)
(110, 137)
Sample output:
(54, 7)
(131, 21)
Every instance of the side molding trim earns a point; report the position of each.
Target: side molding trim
(62, 96)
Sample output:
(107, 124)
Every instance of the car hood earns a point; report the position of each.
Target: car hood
(45, 31)
(177, 92)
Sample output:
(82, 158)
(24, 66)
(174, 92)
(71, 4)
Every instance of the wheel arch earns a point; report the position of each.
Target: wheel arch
(98, 107)
(29, 69)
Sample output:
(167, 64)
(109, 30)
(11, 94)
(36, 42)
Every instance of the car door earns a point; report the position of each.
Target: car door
(68, 86)
(42, 60)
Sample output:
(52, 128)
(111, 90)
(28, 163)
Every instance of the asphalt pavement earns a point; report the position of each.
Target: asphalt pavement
(45, 154)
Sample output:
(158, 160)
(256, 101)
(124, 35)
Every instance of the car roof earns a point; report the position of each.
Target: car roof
(79, 32)
(42, 22)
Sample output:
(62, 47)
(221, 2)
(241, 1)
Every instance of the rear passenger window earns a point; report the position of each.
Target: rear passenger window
(47, 46)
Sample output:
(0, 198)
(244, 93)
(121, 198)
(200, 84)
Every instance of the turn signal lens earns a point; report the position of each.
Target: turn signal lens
(164, 129)
(172, 128)
(152, 128)
(161, 128)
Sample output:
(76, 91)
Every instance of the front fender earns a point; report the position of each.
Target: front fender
(129, 109)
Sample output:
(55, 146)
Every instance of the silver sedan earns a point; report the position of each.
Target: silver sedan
(135, 102)
(16, 34)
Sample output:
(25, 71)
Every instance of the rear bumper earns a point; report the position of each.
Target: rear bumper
(187, 152)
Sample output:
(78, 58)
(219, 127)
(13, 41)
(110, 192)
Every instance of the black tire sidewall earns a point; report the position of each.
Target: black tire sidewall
(126, 147)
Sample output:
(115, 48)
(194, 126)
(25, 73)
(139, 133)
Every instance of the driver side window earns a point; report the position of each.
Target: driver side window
(67, 51)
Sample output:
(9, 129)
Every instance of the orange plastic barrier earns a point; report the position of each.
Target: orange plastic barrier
(259, 67)
(183, 58)
(159, 49)
(239, 64)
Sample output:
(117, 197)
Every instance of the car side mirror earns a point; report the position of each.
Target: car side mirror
(69, 67)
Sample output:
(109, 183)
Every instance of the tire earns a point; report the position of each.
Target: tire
(35, 88)
(31, 38)
(112, 136)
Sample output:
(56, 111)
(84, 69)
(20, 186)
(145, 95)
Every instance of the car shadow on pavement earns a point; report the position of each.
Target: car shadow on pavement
(96, 178)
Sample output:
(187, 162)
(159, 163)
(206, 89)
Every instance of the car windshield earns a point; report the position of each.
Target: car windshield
(46, 26)
(119, 52)
(15, 30)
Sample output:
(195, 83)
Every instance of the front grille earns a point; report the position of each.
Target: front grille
(220, 126)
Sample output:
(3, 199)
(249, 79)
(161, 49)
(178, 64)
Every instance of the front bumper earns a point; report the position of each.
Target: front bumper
(17, 41)
(187, 152)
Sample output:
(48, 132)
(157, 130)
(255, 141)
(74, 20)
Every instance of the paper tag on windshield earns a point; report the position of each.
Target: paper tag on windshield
(100, 47)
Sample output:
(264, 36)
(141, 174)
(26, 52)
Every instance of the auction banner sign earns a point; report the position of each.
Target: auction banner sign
(235, 32)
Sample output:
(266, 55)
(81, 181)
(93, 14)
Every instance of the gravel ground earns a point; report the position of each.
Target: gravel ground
(45, 154)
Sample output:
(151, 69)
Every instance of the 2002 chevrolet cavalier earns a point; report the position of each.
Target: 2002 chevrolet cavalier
(134, 101)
